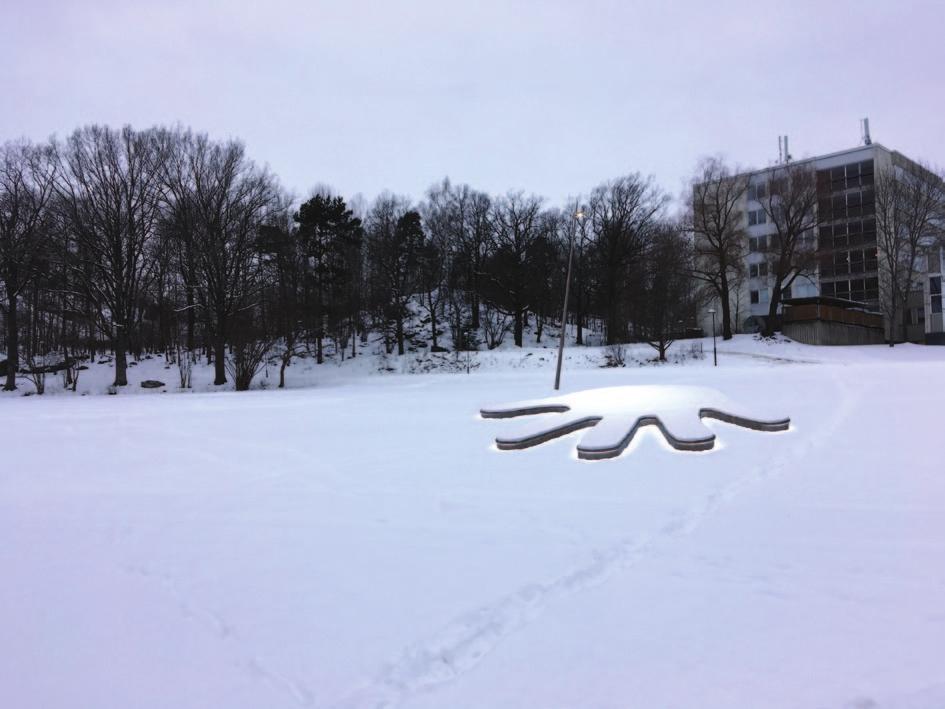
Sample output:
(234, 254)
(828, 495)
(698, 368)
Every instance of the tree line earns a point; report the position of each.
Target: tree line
(124, 242)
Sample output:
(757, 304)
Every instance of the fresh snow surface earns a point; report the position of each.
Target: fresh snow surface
(362, 543)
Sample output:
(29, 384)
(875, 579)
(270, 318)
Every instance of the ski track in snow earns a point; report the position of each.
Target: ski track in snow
(463, 643)
(222, 629)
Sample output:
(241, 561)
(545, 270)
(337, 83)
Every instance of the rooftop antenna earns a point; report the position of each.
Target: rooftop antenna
(865, 130)
(780, 151)
(787, 153)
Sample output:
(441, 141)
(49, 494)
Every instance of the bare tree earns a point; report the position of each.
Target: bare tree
(27, 174)
(790, 205)
(623, 213)
(517, 228)
(716, 219)
(223, 198)
(110, 189)
(908, 202)
(668, 294)
(394, 235)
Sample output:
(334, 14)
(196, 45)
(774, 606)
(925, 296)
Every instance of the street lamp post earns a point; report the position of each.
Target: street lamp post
(715, 354)
(578, 216)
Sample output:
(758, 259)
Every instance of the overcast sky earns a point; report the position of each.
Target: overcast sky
(549, 97)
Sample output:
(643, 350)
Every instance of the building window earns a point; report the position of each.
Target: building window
(753, 295)
(935, 289)
(756, 192)
(841, 263)
(858, 289)
(855, 233)
(757, 243)
(856, 261)
(935, 261)
(854, 204)
(764, 296)
(757, 216)
(840, 235)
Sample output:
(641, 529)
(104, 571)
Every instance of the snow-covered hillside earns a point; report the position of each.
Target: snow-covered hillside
(361, 542)
(97, 375)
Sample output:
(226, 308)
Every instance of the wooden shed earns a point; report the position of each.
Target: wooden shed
(823, 320)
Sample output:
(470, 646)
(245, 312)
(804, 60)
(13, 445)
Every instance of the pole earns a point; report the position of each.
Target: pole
(715, 354)
(564, 309)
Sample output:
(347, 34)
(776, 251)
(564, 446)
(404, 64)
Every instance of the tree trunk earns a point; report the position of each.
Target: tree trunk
(892, 319)
(13, 345)
(319, 352)
(433, 320)
(518, 328)
(219, 351)
(773, 309)
(726, 307)
(400, 335)
(121, 357)
(579, 316)
(475, 311)
(191, 319)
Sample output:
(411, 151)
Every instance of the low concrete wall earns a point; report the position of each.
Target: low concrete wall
(823, 332)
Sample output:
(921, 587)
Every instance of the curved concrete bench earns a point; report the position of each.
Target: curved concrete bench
(524, 410)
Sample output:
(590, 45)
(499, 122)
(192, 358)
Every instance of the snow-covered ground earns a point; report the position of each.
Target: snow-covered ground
(362, 543)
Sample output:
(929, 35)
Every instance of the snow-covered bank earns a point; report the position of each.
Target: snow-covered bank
(304, 372)
(362, 544)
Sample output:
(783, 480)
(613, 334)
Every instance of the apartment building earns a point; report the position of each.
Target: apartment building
(848, 251)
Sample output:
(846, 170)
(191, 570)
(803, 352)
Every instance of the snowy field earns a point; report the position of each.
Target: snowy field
(362, 543)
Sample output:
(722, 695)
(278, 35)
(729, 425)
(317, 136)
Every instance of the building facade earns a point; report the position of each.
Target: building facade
(848, 251)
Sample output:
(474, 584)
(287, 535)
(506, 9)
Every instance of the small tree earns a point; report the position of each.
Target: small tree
(668, 300)
(716, 220)
(251, 343)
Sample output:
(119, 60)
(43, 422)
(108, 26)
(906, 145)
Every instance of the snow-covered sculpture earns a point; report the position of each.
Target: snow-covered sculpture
(615, 414)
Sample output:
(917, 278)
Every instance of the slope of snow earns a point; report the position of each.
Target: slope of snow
(363, 544)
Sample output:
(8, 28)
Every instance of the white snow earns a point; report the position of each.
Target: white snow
(362, 543)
